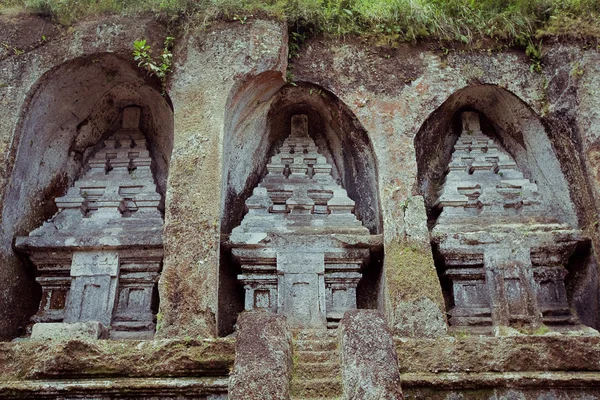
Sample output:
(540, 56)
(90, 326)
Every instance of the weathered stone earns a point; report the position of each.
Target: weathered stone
(369, 360)
(416, 303)
(114, 206)
(203, 388)
(502, 355)
(391, 92)
(92, 359)
(67, 331)
(288, 231)
(211, 66)
(484, 180)
(419, 318)
(317, 370)
(58, 100)
(415, 221)
(93, 291)
(263, 358)
(504, 254)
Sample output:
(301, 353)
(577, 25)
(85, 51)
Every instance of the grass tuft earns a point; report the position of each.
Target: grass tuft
(511, 21)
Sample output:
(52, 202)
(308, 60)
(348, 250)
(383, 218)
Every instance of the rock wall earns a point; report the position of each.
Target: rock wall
(209, 68)
(225, 81)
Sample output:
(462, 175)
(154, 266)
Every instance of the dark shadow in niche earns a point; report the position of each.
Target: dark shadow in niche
(582, 285)
(257, 123)
(519, 131)
(65, 116)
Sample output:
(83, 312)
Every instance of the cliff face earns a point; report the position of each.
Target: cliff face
(386, 115)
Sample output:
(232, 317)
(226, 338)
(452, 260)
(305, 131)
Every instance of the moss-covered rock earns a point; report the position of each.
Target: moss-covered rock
(415, 304)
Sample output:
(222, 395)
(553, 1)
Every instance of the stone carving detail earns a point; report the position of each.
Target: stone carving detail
(300, 246)
(100, 256)
(94, 280)
(504, 255)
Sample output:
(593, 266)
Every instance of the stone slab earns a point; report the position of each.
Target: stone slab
(94, 287)
(66, 331)
(205, 388)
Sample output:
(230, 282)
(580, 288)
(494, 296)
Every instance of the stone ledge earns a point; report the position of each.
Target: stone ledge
(81, 359)
(494, 354)
(496, 380)
(213, 388)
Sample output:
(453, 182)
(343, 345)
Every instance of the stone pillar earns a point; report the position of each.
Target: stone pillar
(263, 358)
(369, 360)
(414, 303)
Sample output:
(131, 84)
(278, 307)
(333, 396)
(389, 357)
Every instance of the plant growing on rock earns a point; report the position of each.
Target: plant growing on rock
(142, 53)
(534, 51)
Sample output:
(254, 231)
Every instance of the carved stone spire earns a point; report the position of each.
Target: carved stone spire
(300, 191)
(483, 179)
(292, 261)
(503, 255)
(99, 257)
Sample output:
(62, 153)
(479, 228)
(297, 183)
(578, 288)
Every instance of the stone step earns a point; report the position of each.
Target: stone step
(309, 356)
(314, 334)
(316, 388)
(316, 345)
(314, 398)
(317, 370)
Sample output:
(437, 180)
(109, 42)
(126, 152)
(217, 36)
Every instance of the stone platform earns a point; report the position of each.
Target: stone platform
(565, 367)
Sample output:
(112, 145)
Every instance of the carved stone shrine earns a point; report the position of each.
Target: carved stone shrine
(99, 258)
(300, 246)
(504, 253)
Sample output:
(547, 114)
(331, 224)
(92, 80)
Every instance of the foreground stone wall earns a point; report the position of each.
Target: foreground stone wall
(474, 367)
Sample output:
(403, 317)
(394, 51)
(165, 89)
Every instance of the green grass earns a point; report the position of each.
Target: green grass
(509, 21)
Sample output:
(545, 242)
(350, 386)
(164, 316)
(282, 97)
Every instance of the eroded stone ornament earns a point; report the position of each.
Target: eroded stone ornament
(504, 253)
(300, 246)
(99, 257)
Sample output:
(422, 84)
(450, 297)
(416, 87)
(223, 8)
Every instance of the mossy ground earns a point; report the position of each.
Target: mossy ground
(109, 358)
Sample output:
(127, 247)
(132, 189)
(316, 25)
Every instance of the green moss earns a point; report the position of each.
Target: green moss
(541, 330)
(411, 275)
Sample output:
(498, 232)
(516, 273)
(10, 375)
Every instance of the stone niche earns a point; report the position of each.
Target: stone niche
(503, 252)
(99, 257)
(300, 246)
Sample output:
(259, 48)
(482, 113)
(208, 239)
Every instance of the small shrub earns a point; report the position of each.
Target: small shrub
(142, 53)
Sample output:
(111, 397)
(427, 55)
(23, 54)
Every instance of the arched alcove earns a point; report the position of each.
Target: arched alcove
(506, 118)
(69, 110)
(518, 132)
(258, 121)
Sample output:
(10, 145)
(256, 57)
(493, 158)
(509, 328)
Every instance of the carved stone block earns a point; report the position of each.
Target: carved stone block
(505, 261)
(113, 206)
(301, 288)
(65, 331)
(94, 287)
(292, 216)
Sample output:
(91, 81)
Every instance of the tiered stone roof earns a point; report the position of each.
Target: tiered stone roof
(298, 194)
(114, 203)
(484, 180)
